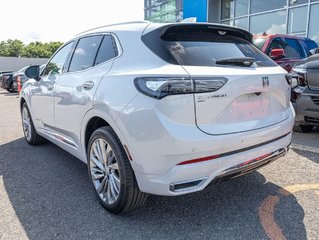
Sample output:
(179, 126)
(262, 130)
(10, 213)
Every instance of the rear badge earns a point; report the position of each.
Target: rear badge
(265, 82)
(210, 97)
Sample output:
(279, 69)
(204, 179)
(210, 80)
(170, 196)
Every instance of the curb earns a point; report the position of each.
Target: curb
(305, 148)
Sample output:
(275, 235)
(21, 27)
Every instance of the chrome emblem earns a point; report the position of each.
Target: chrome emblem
(265, 82)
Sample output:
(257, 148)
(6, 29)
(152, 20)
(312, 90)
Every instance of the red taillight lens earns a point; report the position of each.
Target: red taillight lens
(161, 87)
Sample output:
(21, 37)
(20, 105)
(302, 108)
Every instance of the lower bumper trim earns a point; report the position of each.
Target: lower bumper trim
(250, 166)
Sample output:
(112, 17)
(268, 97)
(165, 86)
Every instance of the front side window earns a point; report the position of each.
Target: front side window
(56, 64)
(85, 53)
(276, 43)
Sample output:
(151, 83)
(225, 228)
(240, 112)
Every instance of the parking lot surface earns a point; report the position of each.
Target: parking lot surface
(45, 193)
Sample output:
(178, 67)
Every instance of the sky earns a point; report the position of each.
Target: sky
(60, 20)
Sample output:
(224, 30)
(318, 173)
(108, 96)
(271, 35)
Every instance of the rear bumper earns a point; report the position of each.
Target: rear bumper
(307, 110)
(183, 179)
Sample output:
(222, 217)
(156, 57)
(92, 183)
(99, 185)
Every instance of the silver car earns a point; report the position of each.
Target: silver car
(305, 97)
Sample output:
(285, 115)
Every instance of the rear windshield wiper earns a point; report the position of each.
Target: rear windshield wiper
(244, 61)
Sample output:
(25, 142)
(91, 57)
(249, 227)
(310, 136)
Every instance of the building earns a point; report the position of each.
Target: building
(298, 17)
(163, 10)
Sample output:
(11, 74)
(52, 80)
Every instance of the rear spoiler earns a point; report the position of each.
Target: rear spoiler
(196, 30)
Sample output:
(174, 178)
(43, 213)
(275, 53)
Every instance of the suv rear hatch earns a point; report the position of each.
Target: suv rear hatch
(248, 93)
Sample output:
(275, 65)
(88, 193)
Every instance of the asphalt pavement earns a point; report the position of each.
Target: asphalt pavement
(45, 193)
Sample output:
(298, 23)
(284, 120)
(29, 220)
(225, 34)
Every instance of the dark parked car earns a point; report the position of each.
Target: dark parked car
(19, 74)
(286, 50)
(6, 80)
(305, 97)
(23, 78)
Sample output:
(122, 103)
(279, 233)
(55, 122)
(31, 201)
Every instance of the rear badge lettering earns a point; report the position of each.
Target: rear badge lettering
(210, 97)
(265, 82)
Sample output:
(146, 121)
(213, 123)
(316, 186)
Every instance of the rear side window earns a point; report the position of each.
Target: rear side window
(85, 53)
(202, 47)
(107, 50)
(293, 49)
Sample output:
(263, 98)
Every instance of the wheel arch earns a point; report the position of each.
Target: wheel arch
(93, 120)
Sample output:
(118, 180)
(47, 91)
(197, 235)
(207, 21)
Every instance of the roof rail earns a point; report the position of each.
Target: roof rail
(110, 25)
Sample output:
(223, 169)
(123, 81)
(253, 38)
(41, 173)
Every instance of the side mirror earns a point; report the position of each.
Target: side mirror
(33, 72)
(277, 53)
(314, 51)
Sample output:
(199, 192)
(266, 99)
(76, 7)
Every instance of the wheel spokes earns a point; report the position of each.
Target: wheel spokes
(104, 170)
(97, 163)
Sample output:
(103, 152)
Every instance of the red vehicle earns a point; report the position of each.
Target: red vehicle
(286, 50)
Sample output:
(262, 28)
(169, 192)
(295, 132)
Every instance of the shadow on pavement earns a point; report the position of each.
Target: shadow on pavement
(9, 94)
(53, 198)
(307, 154)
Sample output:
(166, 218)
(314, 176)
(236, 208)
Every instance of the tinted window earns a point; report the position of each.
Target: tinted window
(274, 22)
(313, 23)
(107, 50)
(298, 2)
(56, 64)
(199, 48)
(297, 21)
(261, 6)
(227, 8)
(293, 49)
(241, 22)
(85, 53)
(241, 7)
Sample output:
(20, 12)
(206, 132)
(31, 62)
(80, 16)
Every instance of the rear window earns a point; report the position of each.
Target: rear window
(198, 47)
(259, 42)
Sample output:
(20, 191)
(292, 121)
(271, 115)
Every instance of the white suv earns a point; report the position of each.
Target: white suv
(160, 108)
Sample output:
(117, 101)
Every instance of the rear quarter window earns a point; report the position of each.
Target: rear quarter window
(107, 50)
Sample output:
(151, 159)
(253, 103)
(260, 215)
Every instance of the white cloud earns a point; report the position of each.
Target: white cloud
(60, 20)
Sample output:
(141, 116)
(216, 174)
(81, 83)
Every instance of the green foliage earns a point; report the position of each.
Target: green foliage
(16, 48)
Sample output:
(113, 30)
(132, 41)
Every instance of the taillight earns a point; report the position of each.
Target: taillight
(302, 79)
(161, 87)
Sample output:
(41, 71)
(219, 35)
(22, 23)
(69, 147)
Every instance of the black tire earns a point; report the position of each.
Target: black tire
(34, 138)
(303, 128)
(129, 196)
(10, 89)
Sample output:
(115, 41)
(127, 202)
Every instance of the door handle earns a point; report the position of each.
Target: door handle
(88, 85)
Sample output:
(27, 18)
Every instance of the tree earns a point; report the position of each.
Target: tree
(16, 48)
(11, 48)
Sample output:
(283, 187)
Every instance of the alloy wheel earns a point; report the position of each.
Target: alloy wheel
(26, 123)
(104, 171)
